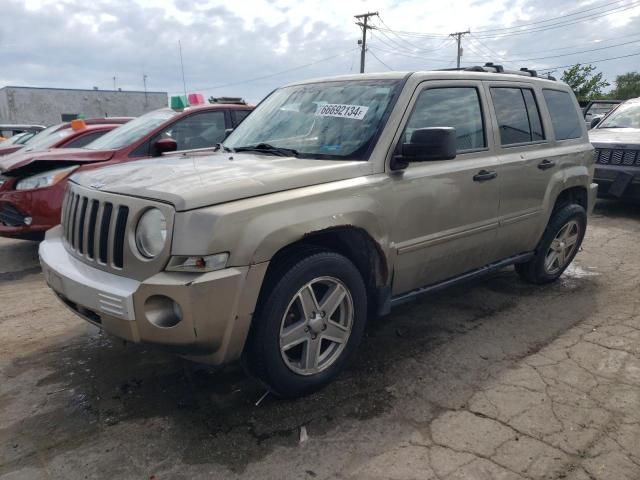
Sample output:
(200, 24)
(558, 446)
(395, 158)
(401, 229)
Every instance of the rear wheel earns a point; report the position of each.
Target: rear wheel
(558, 246)
(309, 323)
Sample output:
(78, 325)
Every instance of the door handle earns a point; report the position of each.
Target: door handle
(546, 164)
(484, 175)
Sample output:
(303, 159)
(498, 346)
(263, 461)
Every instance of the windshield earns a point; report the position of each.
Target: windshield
(42, 142)
(132, 131)
(330, 120)
(626, 115)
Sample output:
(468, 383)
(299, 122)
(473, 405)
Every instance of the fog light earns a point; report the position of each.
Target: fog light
(28, 220)
(162, 311)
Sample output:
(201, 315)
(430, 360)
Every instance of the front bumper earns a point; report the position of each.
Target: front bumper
(41, 207)
(215, 308)
(606, 177)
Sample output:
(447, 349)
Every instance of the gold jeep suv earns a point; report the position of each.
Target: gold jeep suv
(335, 200)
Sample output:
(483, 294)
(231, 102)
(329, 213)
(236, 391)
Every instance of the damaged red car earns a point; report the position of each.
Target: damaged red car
(32, 185)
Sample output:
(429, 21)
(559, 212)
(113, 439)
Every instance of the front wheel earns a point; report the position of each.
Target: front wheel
(558, 247)
(309, 323)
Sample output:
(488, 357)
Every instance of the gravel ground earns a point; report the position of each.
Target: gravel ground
(491, 380)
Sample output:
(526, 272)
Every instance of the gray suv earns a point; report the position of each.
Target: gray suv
(334, 201)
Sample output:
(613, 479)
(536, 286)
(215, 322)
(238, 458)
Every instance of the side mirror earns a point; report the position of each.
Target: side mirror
(427, 144)
(595, 121)
(165, 145)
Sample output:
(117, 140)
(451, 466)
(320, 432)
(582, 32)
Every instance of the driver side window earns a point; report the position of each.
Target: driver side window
(457, 107)
(201, 130)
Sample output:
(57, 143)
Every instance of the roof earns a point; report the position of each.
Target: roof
(466, 73)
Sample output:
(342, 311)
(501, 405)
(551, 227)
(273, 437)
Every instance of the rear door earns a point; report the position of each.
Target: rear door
(525, 163)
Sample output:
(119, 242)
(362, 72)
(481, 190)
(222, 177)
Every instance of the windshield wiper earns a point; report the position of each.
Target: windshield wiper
(268, 148)
(220, 146)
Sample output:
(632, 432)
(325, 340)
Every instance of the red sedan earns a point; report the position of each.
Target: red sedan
(63, 135)
(32, 186)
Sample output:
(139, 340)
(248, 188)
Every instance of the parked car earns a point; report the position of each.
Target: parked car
(18, 139)
(335, 200)
(11, 129)
(33, 189)
(617, 141)
(596, 109)
(60, 136)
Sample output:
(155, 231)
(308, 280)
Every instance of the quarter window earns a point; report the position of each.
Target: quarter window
(457, 107)
(517, 114)
(564, 116)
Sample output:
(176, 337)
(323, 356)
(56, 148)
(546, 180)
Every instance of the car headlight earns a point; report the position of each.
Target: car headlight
(45, 179)
(198, 264)
(151, 233)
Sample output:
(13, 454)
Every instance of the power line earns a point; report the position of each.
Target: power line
(517, 30)
(561, 24)
(275, 74)
(413, 46)
(577, 12)
(401, 54)
(575, 53)
(376, 57)
(485, 47)
(590, 61)
(597, 42)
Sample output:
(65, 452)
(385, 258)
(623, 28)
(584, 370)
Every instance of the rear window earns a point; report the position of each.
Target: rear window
(564, 117)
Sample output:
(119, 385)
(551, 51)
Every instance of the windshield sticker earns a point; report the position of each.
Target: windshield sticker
(356, 112)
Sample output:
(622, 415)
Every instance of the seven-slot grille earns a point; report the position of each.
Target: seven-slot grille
(618, 156)
(95, 229)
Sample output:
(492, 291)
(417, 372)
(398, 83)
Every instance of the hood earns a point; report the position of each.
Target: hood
(199, 181)
(20, 159)
(621, 136)
(7, 149)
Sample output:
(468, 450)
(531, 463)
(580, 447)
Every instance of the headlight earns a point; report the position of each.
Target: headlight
(151, 233)
(206, 263)
(45, 179)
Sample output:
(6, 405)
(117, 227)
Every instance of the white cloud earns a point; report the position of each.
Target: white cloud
(72, 43)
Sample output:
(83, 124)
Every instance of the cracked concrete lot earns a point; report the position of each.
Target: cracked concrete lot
(491, 380)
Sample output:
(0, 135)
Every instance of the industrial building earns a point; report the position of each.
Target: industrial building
(47, 106)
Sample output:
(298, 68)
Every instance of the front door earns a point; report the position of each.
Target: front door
(446, 211)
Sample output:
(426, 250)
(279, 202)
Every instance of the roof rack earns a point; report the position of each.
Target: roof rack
(491, 67)
(228, 100)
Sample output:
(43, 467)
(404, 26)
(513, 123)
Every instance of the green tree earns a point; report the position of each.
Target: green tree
(585, 82)
(627, 86)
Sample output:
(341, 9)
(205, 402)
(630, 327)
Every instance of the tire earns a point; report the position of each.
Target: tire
(291, 369)
(569, 221)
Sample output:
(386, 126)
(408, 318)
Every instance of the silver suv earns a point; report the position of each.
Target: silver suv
(335, 200)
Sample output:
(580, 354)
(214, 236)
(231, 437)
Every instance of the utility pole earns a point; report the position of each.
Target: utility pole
(144, 82)
(114, 82)
(184, 84)
(363, 22)
(458, 36)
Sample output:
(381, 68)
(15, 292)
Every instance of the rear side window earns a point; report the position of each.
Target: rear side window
(517, 114)
(84, 140)
(564, 117)
(457, 107)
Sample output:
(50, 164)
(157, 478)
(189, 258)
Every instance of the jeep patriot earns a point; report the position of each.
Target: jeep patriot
(335, 200)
